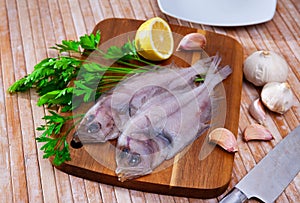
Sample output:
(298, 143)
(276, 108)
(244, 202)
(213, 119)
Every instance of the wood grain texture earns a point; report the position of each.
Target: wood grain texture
(203, 170)
(29, 28)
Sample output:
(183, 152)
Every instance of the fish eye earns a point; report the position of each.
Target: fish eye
(94, 127)
(125, 152)
(90, 118)
(135, 159)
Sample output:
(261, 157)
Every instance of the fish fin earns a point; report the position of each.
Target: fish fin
(148, 120)
(201, 66)
(216, 75)
(166, 138)
(158, 133)
(113, 135)
(150, 127)
(132, 109)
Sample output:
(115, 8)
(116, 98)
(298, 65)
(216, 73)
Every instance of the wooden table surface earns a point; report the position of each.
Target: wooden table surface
(29, 27)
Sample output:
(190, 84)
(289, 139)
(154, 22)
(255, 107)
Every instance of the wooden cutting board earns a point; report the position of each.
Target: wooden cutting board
(202, 170)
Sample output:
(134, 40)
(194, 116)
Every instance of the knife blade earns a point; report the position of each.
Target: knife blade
(268, 179)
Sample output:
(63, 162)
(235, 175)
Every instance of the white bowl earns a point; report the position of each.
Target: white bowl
(220, 12)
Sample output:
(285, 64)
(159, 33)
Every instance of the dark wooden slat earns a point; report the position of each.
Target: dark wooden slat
(29, 28)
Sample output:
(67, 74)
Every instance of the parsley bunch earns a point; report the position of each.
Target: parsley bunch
(66, 81)
(55, 144)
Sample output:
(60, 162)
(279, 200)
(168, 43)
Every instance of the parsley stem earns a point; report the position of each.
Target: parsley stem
(124, 70)
(146, 62)
(129, 64)
(75, 123)
(112, 79)
(109, 81)
(63, 138)
(112, 76)
(137, 66)
(107, 86)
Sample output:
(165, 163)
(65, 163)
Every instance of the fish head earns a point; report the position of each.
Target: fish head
(97, 125)
(135, 156)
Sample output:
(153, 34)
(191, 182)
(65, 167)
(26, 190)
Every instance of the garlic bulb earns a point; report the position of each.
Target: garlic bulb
(257, 111)
(192, 42)
(224, 138)
(257, 132)
(277, 97)
(262, 67)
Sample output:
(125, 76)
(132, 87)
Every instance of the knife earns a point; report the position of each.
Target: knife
(268, 179)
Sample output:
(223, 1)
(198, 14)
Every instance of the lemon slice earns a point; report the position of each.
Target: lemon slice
(154, 40)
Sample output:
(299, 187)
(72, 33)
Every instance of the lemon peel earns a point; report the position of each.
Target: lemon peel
(154, 40)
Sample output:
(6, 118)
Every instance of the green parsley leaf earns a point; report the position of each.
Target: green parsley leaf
(126, 52)
(87, 42)
(56, 144)
(90, 42)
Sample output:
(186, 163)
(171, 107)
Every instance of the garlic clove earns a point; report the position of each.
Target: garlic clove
(262, 67)
(257, 111)
(277, 97)
(257, 132)
(224, 138)
(192, 42)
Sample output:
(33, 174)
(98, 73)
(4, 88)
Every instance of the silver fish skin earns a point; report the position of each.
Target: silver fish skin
(162, 127)
(97, 125)
(132, 93)
(105, 119)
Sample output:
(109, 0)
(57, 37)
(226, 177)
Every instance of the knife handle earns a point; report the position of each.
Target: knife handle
(234, 196)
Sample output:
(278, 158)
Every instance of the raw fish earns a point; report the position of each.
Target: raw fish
(106, 118)
(166, 124)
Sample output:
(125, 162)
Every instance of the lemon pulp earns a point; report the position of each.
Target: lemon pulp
(154, 39)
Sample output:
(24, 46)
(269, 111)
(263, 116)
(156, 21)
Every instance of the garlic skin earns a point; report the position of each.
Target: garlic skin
(262, 67)
(257, 111)
(192, 42)
(257, 132)
(277, 97)
(224, 138)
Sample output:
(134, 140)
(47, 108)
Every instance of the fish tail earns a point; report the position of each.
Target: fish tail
(201, 67)
(203, 62)
(215, 74)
